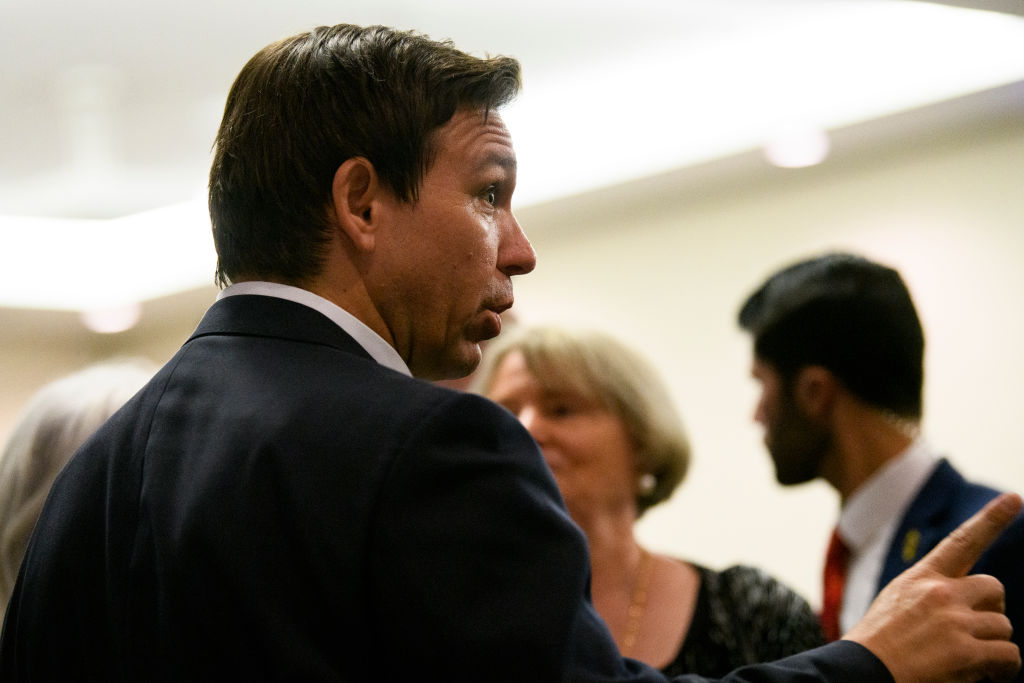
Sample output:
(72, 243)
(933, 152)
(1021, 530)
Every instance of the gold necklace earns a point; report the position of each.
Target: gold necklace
(638, 603)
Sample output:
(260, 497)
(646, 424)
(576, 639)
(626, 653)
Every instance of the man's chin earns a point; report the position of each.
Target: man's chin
(457, 368)
(787, 477)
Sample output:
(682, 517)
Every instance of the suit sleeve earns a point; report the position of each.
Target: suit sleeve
(472, 538)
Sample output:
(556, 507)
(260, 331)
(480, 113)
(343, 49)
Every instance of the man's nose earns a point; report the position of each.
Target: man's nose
(516, 255)
(758, 415)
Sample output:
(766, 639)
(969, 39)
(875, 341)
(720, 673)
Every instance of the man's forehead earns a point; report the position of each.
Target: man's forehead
(477, 127)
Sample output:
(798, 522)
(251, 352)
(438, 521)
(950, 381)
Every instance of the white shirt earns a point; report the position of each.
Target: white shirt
(868, 522)
(380, 350)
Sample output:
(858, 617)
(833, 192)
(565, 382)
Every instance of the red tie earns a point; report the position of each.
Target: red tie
(836, 559)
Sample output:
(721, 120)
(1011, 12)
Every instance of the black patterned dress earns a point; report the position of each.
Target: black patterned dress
(743, 616)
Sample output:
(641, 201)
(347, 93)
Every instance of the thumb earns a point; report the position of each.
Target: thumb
(959, 551)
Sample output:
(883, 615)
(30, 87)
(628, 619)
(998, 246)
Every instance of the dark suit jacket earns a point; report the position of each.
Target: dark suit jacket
(944, 502)
(274, 505)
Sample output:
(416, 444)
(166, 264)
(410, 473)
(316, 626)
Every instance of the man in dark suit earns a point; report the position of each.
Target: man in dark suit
(839, 352)
(284, 501)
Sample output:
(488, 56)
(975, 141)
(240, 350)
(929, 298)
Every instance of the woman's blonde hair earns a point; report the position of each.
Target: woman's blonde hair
(54, 423)
(604, 371)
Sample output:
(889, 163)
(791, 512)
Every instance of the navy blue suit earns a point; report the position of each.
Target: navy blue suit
(275, 505)
(945, 501)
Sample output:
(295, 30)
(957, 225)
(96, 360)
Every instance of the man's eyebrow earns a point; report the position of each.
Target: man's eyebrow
(505, 161)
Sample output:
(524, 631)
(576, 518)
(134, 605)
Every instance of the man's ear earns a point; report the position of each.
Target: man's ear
(815, 391)
(355, 193)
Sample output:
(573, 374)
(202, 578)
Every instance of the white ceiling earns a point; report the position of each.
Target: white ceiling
(109, 107)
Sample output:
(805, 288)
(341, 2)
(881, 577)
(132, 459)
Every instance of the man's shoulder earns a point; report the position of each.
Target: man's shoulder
(948, 490)
(959, 498)
(1004, 557)
(943, 502)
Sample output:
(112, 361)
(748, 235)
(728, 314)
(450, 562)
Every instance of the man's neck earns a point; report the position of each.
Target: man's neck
(866, 439)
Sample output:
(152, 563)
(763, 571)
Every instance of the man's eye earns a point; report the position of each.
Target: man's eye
(492, 195)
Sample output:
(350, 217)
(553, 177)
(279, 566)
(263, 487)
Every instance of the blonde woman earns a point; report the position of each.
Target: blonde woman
(609, 433)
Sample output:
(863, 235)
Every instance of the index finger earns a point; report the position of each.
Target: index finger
(958, 552)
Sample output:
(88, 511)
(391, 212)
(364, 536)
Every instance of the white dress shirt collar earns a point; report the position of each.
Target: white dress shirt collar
(380, 350)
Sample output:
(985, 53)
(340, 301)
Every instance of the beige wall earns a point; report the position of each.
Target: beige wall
(667, 268)
(665, 263)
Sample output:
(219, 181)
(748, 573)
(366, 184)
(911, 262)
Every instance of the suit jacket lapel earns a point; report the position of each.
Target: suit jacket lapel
(926, 522)
(944, 502)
